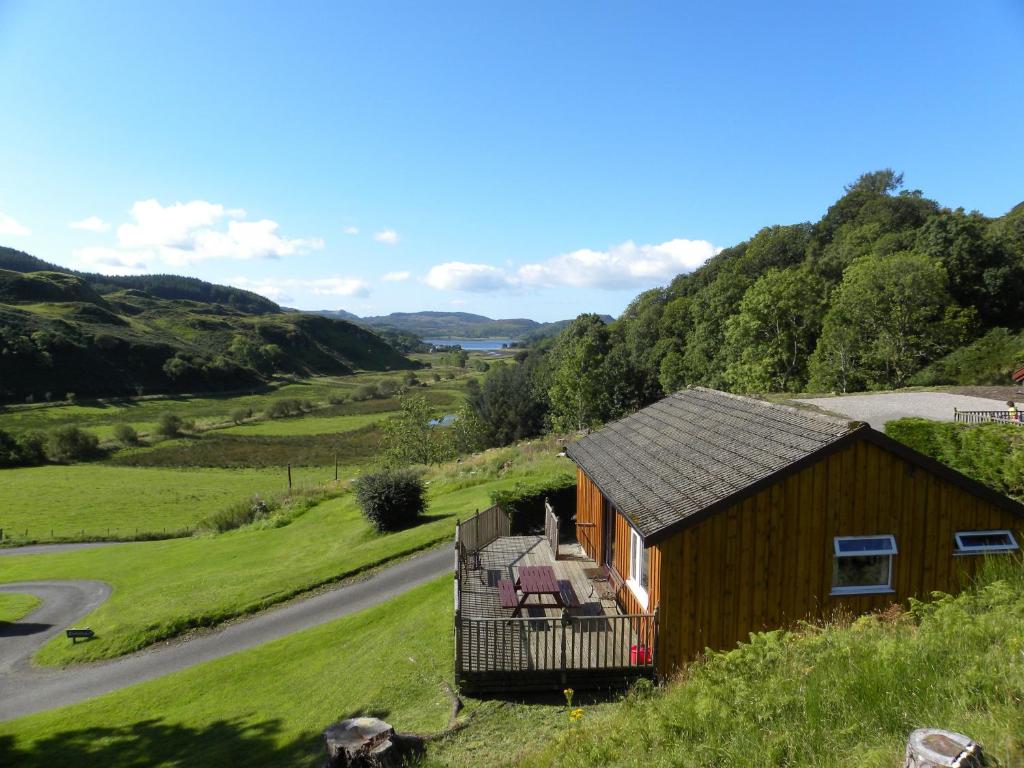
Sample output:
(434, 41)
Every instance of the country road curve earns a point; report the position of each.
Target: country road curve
(26, 690)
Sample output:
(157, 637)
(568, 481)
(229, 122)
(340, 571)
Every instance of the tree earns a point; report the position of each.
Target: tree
(169, 425)
(391, 499)
(890, 316)
(769, 340)
(578, 391)
(508, 406)
(414, 436)
(72, 444)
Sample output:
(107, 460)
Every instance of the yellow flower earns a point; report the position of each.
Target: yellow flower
(576, 714)
(568, 693)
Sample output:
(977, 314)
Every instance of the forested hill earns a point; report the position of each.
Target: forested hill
(67, 332)
(886, 289)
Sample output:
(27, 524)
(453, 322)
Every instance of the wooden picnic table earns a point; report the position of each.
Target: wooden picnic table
(537, 580)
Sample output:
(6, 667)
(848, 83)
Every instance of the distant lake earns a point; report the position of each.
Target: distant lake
(480, 345)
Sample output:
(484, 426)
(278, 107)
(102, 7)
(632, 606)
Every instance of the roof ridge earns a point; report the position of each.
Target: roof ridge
(807, 412)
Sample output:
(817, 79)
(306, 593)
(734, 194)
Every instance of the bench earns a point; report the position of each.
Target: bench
(80, 634)
(569, 598)
(507, 594)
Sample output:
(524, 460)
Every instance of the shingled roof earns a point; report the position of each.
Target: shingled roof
(695, 449)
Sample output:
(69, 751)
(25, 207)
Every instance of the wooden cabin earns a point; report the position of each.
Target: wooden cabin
(728, 515)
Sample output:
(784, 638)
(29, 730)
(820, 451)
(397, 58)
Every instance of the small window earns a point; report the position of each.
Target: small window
(863, 565)
(639, 566)
(973, 542)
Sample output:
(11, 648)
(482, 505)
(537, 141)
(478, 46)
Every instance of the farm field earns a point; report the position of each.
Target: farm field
(14, 607)
(168, 486)
(164, 588)
(100, 501)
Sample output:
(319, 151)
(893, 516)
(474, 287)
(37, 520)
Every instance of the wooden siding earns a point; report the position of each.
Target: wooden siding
(767, 561)
(589, 503)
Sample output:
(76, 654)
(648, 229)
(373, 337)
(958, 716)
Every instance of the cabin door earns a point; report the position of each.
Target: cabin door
(608, 533)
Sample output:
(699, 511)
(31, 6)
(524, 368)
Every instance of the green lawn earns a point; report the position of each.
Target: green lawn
(312, 424)
(163, 588)
(14, 607)
(96, 497)
(262, 707)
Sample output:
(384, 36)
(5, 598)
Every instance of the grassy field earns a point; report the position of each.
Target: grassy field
(93, 498)
(266, 706)
(164, 588)
(810, 698)
(14, 607)
(170, 485)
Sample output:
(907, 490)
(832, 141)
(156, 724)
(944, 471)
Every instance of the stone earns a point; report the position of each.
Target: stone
(935, 748)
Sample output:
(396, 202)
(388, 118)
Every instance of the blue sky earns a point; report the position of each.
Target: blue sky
(534, 160)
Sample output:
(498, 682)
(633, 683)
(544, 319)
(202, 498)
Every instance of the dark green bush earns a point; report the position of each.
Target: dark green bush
(33, 447)
(391, 499)
(72, 444)
(169, 425)
(364, 392)
(126, 434)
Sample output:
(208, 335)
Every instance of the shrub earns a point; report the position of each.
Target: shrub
(386, 388)
(364, 392)
(336, 399)
(280, 409)
(436, 377)
(481, 365)
(239, 513)
(170, 425)
(391, 499)
(239, 415)
(71, 444)
(33, 447)
(126, 434)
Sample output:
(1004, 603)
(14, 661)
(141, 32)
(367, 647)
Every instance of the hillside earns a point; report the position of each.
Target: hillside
(887, 289)
(67, 332)
(457, 325)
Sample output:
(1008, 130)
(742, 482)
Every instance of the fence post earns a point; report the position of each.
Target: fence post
(289, 478)
(566, 623)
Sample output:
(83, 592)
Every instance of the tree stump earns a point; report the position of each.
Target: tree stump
(366, 742)
(934, 748)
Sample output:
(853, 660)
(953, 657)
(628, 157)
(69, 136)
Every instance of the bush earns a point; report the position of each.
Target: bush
(239, 415)
(126, 434)
(72, 444)
(391, 499)
(33, 447)
(386, 389)
(170, 425)
(239, 513)
(436, 377)
(364, 392)
(336, 399)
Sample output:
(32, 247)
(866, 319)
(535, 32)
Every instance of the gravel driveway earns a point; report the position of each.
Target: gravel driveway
(876, 409)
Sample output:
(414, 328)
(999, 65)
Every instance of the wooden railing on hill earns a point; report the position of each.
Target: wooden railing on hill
(987, 417)
(476, 532)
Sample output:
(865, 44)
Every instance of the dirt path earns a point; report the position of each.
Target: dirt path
(27, 689)
(877, 409)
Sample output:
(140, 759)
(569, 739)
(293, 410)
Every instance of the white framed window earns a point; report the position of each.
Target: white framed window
(639, 567)
(979, 542)
(863, 565)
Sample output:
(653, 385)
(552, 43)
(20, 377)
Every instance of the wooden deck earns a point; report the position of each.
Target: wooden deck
(590, 646)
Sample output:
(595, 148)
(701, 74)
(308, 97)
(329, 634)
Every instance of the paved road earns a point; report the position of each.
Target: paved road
(26, 690)
(876, 409)
(46, 549)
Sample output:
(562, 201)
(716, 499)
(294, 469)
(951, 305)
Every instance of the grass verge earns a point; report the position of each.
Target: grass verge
(14, 607)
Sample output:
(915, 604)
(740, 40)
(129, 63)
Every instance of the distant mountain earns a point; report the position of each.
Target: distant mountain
(65, 331)
(454, 325)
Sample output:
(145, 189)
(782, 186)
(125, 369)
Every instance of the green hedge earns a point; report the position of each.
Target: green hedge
(990, 453)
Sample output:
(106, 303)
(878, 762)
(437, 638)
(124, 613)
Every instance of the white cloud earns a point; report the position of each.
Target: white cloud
(185, 233)
(111, 261)
(460, 276)
(396, 277)
(626, 265)
(90, 224)
(284, 290)
(8, 226)
(351, 230)
(387, 236)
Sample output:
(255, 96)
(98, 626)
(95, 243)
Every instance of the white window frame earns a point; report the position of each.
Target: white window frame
(637, 550)
(873, 589)
(976, 549)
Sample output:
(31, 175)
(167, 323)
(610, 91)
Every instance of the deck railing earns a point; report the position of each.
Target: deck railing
(551, 527)
(483, 528)
(986, 417)
(562, 644)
